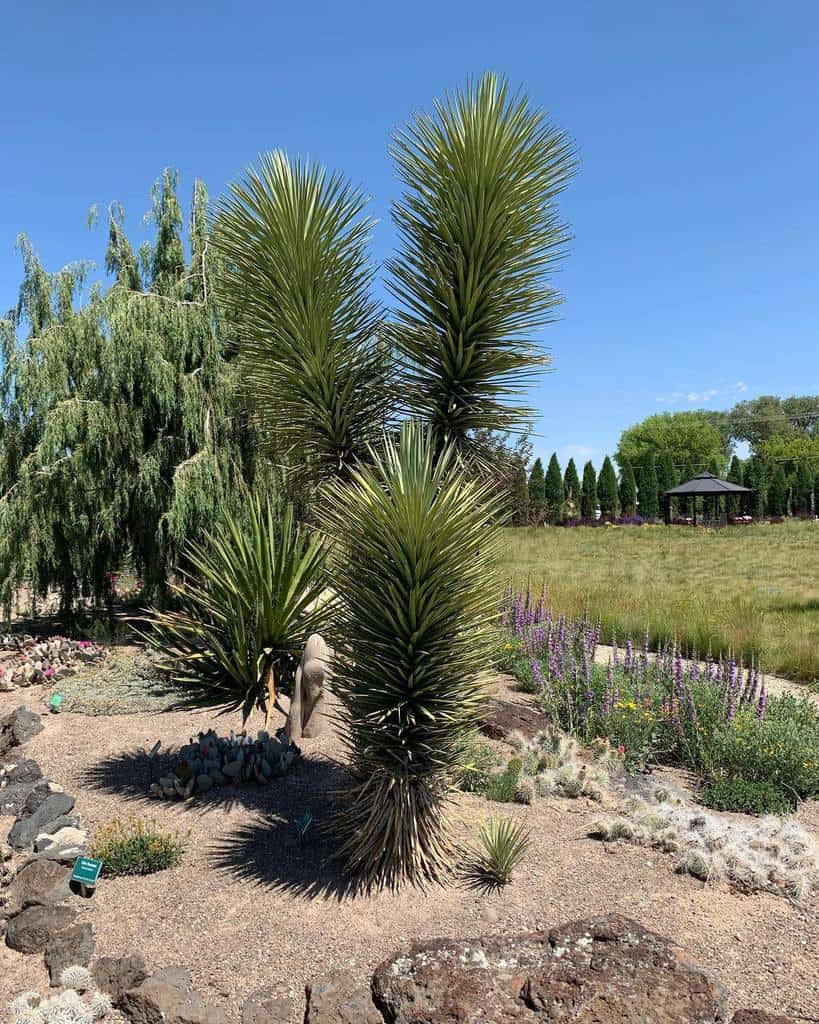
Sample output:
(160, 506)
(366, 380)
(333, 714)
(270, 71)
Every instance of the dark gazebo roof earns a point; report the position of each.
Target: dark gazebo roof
(707, 483)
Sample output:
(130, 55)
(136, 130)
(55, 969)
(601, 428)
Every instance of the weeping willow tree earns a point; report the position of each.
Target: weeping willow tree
(120, 435)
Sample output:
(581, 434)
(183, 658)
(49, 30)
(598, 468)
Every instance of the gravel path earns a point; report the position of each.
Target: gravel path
(250, 907)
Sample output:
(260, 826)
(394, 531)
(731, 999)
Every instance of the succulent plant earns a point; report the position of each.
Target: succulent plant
(77, 978)
(100, 1005)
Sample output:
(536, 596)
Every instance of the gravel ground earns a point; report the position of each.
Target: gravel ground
(250, 907)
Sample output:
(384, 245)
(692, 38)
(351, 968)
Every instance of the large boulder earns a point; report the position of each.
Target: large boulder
(167, 998)
(266, 1006)
(25, 830)
(40, 882)
(605, 970)
(32, 929)
(70, 946)
(116, 974)
(17, 727)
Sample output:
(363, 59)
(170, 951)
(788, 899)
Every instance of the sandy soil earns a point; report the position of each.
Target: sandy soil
(250, 907)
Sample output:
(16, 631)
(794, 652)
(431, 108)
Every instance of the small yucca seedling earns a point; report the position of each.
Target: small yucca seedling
(502, 844)
(76, 977)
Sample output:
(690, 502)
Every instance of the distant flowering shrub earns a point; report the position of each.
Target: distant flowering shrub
(715, 719)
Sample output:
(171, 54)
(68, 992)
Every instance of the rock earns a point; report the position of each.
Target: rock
(6, 852)
(606, 969)
(759, 1017)
(32, 929)
(13, 798)
(36, 797)
(266, 1007)
(166, 998)
(116, 974)
(64, 845)
(38, 883)
(337, 999)
(73, 945)
(25, 830)
(18, 727)
(24, 770)
(503, 718)
(203, 783)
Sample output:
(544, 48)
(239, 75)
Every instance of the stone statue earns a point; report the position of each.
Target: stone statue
(307, 709)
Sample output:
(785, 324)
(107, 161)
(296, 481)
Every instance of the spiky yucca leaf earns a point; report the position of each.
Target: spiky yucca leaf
(296, 278)
(246, 608)
(502, 844)
(417, 594)
(479, 232)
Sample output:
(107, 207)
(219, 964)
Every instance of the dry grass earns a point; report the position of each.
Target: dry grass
(753, 590)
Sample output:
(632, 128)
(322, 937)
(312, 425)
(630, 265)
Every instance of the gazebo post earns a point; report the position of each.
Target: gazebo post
(694, 506)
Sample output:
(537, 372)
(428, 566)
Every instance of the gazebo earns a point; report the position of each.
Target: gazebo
(704, 485)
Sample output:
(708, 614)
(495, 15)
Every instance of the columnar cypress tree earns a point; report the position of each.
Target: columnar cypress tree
(778, 493)
(666, 474)
(628, 491)
(803, 492)
(755, 478)
(554, 489)
(537, 492)
(735, 476)
(607, 489)
(122, 437)
(648, 503)
(571, 483)
(588, 492)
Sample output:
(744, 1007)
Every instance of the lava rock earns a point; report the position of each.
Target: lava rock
(116, 974)
(337, 999)
(18, 727)
(73, 945)
(13, 798)
(32, 929)
(25, 830)
(606, 969)
(266, 1007)
(38, 883)
(24, 770)
(166, 998)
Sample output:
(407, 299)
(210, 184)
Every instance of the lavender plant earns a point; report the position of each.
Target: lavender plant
(715, 718)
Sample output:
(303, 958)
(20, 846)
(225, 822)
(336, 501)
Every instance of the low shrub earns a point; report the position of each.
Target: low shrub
(745, 795)
(502, 786)
(135, 846)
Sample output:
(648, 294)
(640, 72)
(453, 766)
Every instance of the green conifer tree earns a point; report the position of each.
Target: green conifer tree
(735, 476)
(803, 491)
(648, 502)
(571, 482)
(607, 490)
(554, 490)
(537, 493)
(628, 491)
(755, 479)
(588, 492)
(666, 475)
(778, 493)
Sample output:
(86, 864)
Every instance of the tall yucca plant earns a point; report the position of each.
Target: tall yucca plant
(251, 599)
(296, 278)
(417, 604)
(479, 232)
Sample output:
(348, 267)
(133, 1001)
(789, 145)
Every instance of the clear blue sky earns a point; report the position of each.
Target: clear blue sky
(694, 273)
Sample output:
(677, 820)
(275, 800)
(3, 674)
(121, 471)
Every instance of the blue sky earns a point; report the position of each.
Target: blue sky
(693, 278)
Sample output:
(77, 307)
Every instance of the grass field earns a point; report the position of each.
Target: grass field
(752, 590)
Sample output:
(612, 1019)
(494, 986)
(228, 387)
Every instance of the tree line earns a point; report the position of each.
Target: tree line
(556, 496)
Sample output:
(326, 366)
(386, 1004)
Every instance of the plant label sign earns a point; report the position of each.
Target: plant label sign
(304, 822)
(86, 874)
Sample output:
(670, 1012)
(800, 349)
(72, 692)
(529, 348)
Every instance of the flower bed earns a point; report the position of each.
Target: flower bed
(717, 721)
(29, 661)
